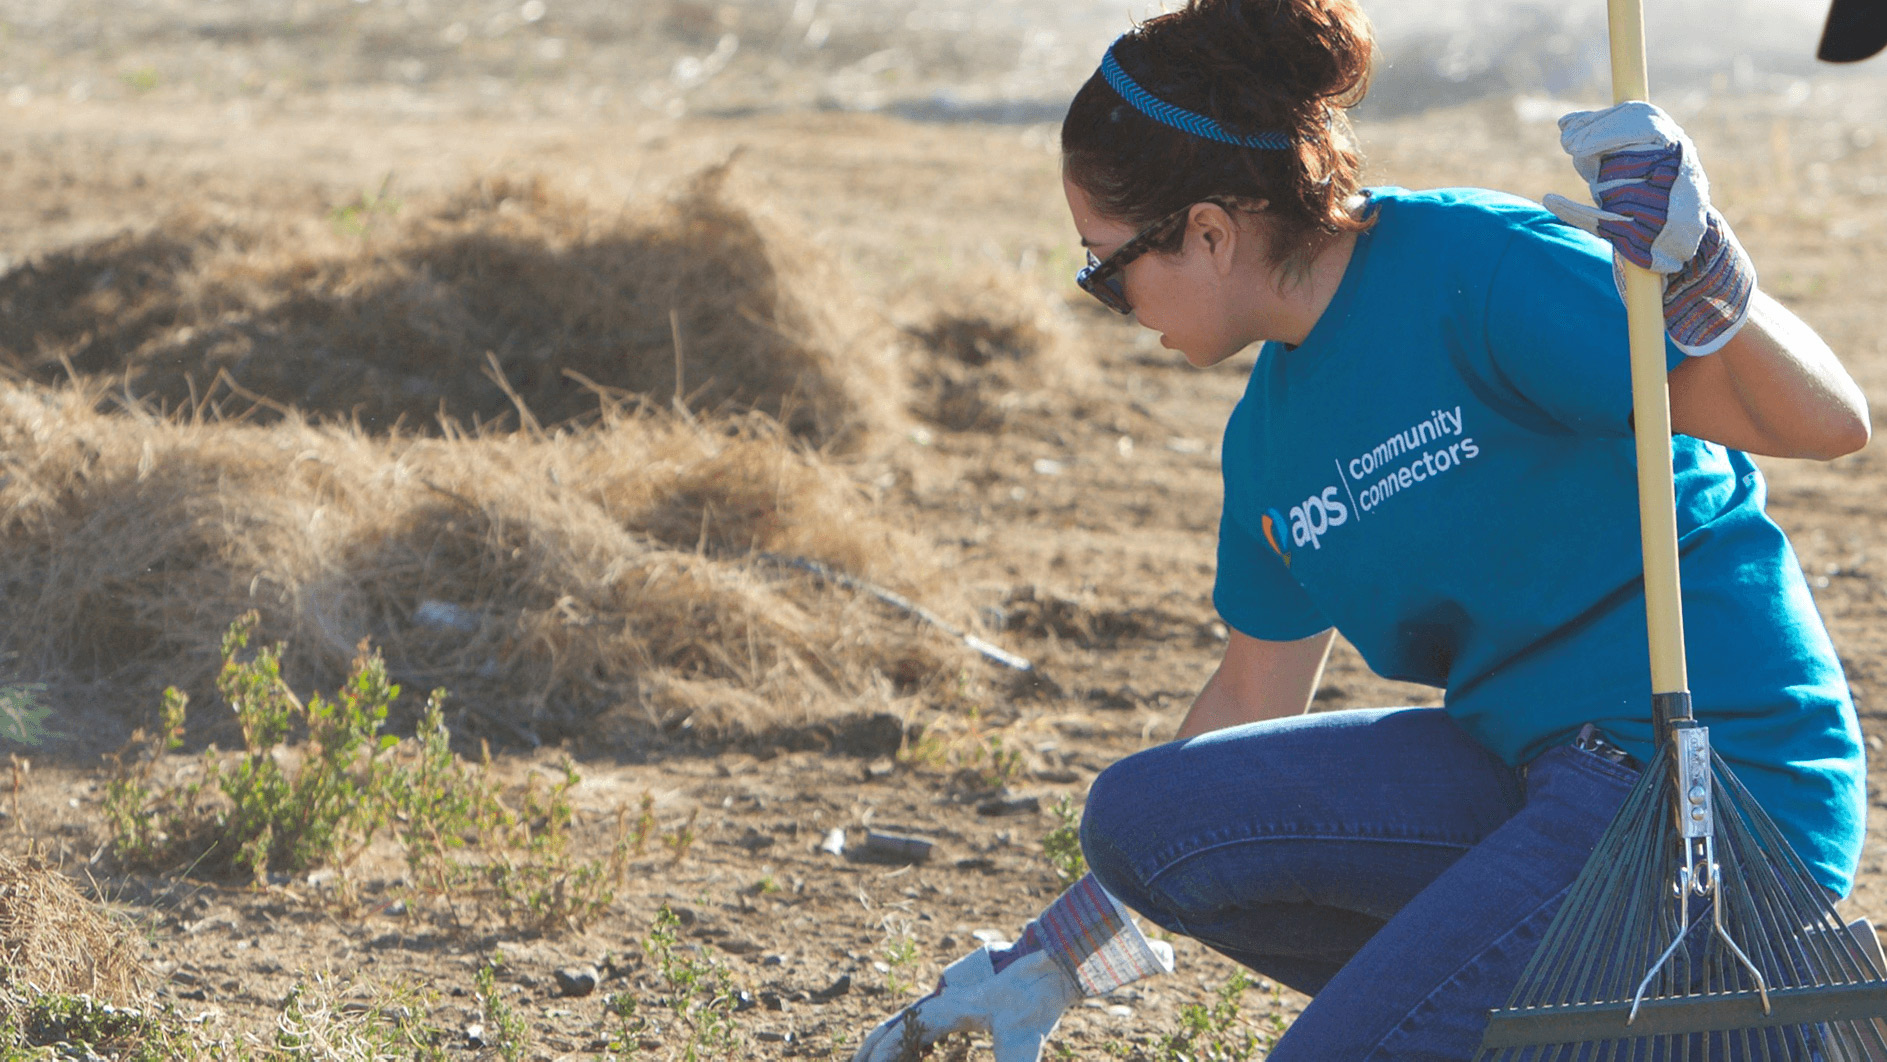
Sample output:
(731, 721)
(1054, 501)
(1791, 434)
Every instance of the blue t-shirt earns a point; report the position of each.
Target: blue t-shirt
(1444, 471)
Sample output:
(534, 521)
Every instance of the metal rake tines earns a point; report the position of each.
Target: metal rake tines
(1753, 964)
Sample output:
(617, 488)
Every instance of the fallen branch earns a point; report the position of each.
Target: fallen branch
(902, 604)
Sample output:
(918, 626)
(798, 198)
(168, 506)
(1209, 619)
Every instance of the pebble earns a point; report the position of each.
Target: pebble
(1027, 805)
(834, 842)
(835, 989)
(576, 980)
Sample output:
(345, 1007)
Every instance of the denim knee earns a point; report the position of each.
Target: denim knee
(1113, 824)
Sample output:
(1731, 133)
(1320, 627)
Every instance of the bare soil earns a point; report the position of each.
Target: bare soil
(1081, 518)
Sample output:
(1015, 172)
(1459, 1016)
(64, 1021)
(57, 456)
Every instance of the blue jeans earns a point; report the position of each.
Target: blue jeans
(1381, 861)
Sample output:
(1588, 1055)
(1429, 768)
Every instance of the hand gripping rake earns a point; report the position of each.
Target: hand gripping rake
(1694, 931)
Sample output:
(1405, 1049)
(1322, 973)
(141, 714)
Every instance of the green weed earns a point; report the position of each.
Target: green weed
(358, 217)
(900, 953)
(268, 818)
(23, 715)
(1210, 1032)
(629, 1026)
(317, 1023)
(462, 839)
(698, 992)
(508, 1031)
(645, 823)
(1062, 843)
(978, 760)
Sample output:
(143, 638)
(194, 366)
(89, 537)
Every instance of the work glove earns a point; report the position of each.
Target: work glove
(1084, 944)
(1653, 207)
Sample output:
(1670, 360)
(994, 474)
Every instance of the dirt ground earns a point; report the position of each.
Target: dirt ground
(1088, 521)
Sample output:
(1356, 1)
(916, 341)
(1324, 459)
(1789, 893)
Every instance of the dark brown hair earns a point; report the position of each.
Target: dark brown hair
(1251, 65)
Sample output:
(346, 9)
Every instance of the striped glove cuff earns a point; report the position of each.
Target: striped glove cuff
(1707, 301)
(1094, 939)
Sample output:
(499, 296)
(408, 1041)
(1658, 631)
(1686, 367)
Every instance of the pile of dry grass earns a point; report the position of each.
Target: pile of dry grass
(54, 940)
(545, 579)
(407, 314)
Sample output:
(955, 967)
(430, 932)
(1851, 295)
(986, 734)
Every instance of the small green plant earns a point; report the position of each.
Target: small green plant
(1062, 843)
(681, 838)
(645, 823)
(43, 1026)
(509, 1032)
(23, 715)
(976, 759)
(248, 813)
(318, 1023)
(998, 764)
(268, 818)
(699, 992)
(901, 956)
(1216, 1031)
(625, 1038)
(357, 218)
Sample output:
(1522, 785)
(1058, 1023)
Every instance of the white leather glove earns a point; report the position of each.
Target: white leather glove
(1016, 1008)
(1083, 944)
(1653, 207)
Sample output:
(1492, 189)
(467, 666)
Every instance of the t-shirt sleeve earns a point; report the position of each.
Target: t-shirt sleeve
(1555, 335)
(1255, 593)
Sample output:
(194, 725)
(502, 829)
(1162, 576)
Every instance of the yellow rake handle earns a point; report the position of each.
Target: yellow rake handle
(1651, 400)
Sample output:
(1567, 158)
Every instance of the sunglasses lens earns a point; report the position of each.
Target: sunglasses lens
(1108, 288)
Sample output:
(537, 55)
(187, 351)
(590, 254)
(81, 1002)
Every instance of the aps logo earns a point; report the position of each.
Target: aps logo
(1309, 521)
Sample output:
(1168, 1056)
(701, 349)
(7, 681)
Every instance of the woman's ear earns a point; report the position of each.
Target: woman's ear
(1218, 234)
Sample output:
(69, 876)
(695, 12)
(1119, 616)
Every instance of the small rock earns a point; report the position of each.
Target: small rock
(773, 960)
(773, 1001)
(877, 769)
(767, 1036)
(475, 1035)
(576, 981)
(1874, 742)
(834, 842)
(1027, 805)
(834, 990)
(1119, 1010)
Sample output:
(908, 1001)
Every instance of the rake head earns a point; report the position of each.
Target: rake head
(1675, 946)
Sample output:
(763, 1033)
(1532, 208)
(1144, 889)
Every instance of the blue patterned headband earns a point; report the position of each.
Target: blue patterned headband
(1179, 117)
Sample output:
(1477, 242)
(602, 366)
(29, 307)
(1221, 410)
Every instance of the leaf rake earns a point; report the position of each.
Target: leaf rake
(1694, 933)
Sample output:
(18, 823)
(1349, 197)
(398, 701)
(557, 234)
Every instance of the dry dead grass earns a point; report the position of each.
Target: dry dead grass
(453, 428)
(547, 580)
(507, 294)
(984, 349)
(56, 941)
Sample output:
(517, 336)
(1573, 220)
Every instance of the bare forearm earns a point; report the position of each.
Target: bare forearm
(1774, 389)
(1258, 681)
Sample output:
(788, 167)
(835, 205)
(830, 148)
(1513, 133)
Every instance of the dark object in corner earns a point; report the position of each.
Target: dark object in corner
(1856, 30)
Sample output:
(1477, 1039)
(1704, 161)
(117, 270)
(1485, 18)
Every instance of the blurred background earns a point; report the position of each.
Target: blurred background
(1016, 61)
